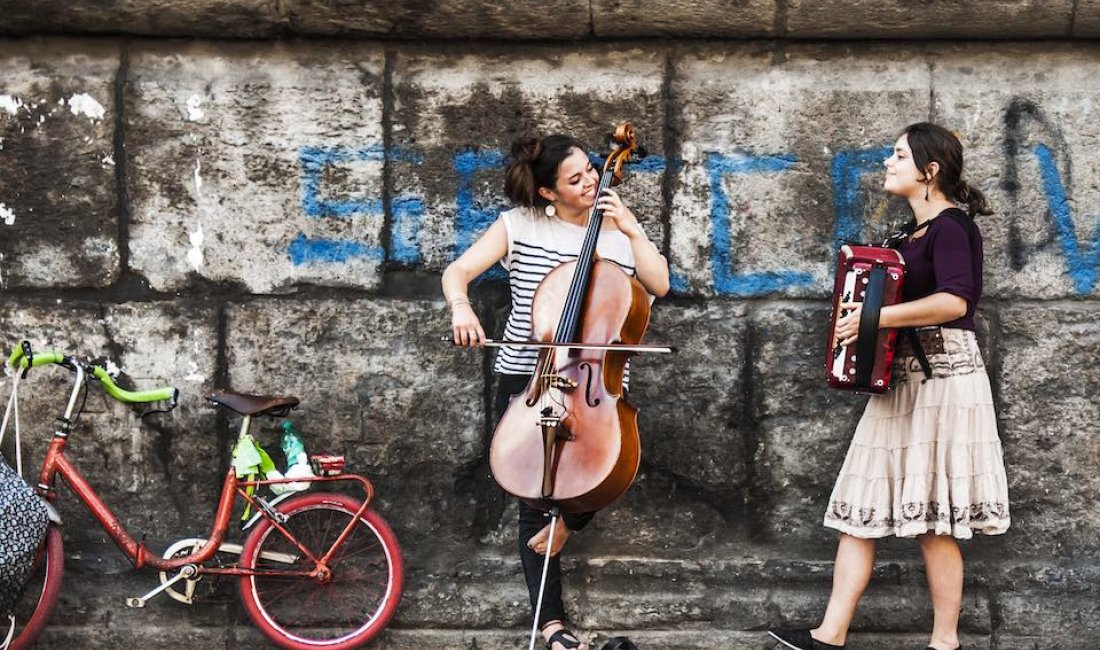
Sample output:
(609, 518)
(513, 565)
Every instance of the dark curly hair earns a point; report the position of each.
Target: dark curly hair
(533, 163)
(933, 143)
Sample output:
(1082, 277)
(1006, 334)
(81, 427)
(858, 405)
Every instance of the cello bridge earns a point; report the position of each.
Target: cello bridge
(559, 382)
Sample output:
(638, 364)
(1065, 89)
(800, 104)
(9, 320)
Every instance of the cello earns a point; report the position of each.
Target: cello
(570, 441)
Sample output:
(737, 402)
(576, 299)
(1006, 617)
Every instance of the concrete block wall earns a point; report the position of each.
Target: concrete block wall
(272, 215)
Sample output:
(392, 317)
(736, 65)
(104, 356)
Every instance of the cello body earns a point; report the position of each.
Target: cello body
(590, 455)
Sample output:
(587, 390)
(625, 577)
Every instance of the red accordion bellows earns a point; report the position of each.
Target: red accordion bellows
(873, 276)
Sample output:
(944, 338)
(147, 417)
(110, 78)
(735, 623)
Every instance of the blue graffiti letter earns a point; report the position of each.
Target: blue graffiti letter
(848, 168)
(725, 280)
(1082, 265)
(407, 211)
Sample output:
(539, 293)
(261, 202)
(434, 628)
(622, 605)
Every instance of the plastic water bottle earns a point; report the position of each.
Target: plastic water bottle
(297, 461)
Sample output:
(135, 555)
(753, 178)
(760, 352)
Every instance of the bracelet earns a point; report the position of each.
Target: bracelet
(459, 300)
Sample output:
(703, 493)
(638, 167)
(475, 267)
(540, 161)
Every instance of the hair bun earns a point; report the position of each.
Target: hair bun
(527, 149)
(533, 164)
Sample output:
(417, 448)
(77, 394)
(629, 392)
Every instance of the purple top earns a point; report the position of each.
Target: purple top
(945, 259)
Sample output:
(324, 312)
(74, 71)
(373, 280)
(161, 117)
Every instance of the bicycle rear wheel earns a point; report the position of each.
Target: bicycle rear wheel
(345, 611)
(36, 605)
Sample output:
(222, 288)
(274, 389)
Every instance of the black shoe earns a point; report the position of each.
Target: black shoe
(800, 640)
(566, 638)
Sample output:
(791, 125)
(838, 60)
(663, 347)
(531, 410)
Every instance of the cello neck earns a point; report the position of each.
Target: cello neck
(571, 315)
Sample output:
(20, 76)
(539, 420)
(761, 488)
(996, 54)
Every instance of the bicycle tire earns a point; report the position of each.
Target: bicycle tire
(345, 612)
(39, 598)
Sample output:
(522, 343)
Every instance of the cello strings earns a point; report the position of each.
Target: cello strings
(548, 368)
(584, 265)
(584, 268)
(577, 292)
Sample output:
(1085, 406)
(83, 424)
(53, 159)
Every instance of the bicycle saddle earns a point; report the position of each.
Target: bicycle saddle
(273, 405)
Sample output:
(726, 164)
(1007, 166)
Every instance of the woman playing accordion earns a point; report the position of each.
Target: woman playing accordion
(925, 461)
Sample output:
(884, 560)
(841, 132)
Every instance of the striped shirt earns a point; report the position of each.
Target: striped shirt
(538, 244)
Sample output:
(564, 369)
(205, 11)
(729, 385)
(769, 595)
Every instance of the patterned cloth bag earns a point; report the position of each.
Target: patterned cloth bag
(23, 523)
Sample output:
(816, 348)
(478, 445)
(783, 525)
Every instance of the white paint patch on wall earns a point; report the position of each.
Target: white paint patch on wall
(194, 109)
(194, 374)
(6, 215)
(113, 370)
(85, 104)
(198, 178)
(10, 104)
(194, 254)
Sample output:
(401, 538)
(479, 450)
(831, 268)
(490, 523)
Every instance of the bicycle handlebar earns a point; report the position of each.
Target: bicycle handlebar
(18, 361)
(167, 393)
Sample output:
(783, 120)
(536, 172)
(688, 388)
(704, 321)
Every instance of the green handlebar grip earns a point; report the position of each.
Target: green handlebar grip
(18, 361)
(122, 395)
(52, 356)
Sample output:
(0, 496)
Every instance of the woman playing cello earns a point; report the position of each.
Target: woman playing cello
(553, 185)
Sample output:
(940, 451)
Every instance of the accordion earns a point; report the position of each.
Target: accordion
(873, 276)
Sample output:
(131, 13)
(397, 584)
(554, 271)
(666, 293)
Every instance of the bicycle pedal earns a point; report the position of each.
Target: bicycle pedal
(187, 571)
(185, 593)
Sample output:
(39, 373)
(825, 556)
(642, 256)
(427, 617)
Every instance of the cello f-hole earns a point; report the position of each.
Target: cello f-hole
(588, 399)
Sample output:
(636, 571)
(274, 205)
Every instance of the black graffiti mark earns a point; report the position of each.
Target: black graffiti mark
(1026, 126)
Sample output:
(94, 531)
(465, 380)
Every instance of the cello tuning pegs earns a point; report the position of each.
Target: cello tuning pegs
(615, 145)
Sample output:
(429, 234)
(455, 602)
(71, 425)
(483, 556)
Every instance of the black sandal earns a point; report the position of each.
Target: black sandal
(559, 637)
(619, 643)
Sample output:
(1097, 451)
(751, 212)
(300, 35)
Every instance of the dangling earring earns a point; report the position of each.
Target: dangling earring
(550, 210)
(926, 186)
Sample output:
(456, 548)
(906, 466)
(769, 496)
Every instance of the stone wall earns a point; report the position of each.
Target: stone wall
(561, 19)
(273, 215)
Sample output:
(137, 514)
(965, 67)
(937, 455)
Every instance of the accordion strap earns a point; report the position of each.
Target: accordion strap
(867, 341)
(918, 350)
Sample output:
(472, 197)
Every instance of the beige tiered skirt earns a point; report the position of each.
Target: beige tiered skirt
(926, 457)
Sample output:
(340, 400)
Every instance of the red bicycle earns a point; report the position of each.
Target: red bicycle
(316, 570)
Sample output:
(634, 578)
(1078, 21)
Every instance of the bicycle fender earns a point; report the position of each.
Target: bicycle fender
(55, 516)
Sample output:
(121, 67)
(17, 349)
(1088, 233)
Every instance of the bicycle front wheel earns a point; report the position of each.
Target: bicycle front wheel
(36, 604)
(346, 609)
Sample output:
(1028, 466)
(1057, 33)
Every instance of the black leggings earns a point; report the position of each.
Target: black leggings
(531, 521)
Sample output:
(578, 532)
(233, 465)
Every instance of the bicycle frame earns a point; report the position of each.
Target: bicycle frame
(56, 464)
